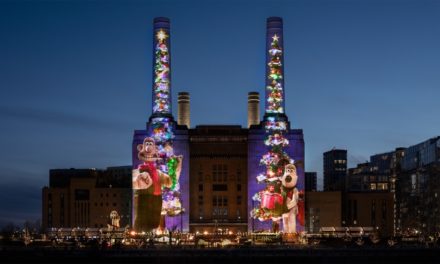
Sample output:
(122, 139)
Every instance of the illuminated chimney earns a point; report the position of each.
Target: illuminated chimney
(183, 117)
(274, 99)
(253, 108)
(161, 92)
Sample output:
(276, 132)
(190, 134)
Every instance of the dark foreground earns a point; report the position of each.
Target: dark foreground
(266, 255)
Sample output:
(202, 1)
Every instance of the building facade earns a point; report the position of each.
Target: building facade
(311, 181)
(335, 170)
(418, 189)
(323, 210)
(86, 197)
(218, 181)
(372, 209)
(200, 179)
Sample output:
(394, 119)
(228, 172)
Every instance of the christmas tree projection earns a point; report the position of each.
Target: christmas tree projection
(270, 200)
(162, 133)
(274, 102)
(161, 87)
(162, 128)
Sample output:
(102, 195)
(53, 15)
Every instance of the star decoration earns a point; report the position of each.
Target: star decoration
(161, 35)
(275, 37)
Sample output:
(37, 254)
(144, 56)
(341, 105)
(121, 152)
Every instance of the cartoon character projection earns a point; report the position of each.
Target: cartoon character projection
(115, 218)
(148, 181)
(293, 199)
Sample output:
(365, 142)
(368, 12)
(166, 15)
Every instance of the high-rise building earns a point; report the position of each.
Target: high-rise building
(335, 170)
(311, 181)
(372, 176)
(418, 189)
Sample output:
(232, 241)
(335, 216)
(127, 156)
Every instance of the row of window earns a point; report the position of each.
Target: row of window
(219, 187)
(114, 204)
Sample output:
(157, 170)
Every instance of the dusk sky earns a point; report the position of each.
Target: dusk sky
(75, 78)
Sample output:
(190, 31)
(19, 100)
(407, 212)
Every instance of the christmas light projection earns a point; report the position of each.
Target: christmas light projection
(270, 200)
(161, 100)
(156, 168)
(274, 99)
(162, 133)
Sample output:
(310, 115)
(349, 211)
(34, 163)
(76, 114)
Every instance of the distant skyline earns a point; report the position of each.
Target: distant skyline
(75, 78)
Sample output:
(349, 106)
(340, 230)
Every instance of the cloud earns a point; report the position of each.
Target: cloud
(60, 118)
(20, 201)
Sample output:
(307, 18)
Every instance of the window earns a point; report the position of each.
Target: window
(200, 187)
(219, 187)
(200, 200)
(239, 174)
(239, 187)
(239, 200)
(382, 186)
(220, 173)
(82, 194)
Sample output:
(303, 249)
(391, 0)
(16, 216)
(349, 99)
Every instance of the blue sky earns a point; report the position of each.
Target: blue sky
(75, 78)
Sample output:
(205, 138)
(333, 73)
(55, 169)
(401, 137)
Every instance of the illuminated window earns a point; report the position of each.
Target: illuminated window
(372, 186)
(382, 186)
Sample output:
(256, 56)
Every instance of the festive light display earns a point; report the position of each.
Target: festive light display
(161, 87)
(273, 125)
(279, 199)
(162, 133)
(156, 168)
(275, 75)
(271, 201)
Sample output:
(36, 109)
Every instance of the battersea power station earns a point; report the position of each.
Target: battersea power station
(194, 179)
